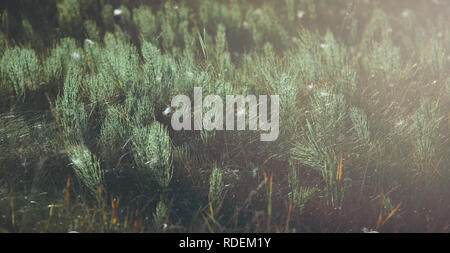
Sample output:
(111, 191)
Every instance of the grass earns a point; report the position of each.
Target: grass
(86, 142)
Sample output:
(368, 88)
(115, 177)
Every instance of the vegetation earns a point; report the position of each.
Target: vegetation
(86, 142)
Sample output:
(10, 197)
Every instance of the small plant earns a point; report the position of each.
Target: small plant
(153, 153)
(21, 68)
(216, 188)
(360, 125)
(160, 217)
(86, 167)
(146, 22)
(299, 195)
(56, 65)
(425, 127)
(320, 147)
(70, 108)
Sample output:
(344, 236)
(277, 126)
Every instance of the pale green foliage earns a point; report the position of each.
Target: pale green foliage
(425, 127)
(267, 74)
(308, 58)
(102, 89)
(384, 61)
(220, 41)
(146, 22)
(56, 64)
(20, 66)
(160, 72)
(114, 133)
(70, 108)
(263, 29)
(114, 66)
(216, 187)
(360, 125)
(434, 56)
(119, 60)
(153, 153)
(327, 116)
(87, 167)
(143, 111)
(167, 33)
(268, 67)
(377, 29)
(324, 60)
(300, 196)
(380, 56)
(338, 67)
(92, 52)
(319, 148)
(222, 56)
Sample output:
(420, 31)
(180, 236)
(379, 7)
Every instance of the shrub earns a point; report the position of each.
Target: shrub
(87, 168)
(21, 68)
(153, 153)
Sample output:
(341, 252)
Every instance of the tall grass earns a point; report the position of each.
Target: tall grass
(86, 141)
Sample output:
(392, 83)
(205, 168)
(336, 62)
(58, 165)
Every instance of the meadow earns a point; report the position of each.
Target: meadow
(87, 145)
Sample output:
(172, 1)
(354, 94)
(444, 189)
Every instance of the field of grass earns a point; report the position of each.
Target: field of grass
(86, 142)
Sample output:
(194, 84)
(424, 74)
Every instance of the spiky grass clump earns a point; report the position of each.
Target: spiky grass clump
(216, 188)
(299, 195)
(87, 168)
(160, 217)
(21, 68)
(153, 153)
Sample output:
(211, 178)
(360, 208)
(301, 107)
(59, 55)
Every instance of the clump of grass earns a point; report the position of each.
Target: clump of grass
(299, 195)
(216, 188)
(87, 168)
(20, 67)
(153, 153)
